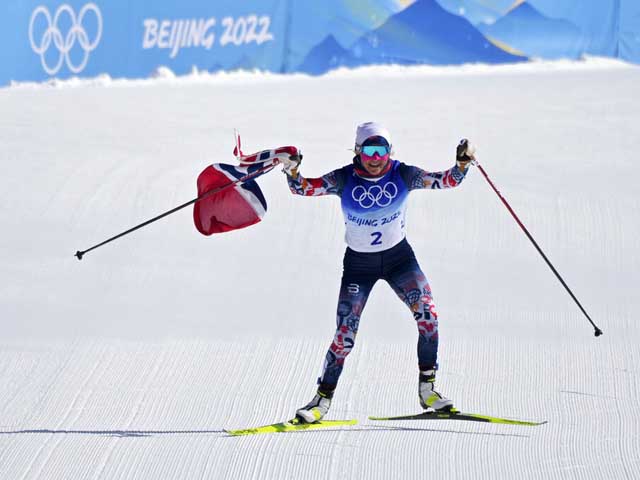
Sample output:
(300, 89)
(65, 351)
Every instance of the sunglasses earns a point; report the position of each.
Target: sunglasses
(371, 150)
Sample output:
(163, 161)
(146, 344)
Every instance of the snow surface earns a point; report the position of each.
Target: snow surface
(130, 363)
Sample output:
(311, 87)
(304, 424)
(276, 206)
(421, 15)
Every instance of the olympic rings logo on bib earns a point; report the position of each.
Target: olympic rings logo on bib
(64, 42)
(375, 195)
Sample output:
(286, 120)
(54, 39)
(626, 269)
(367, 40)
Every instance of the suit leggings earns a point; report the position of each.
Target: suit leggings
(399, 268)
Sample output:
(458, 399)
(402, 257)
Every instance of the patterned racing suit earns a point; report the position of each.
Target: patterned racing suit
(374, 212)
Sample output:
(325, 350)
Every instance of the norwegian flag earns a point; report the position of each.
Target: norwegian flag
(235, 199)
(238, 206)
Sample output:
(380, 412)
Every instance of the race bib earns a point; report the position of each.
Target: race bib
(374, 211)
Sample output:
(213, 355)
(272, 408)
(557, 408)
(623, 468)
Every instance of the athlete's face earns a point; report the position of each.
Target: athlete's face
(374, 165)
(374, 158)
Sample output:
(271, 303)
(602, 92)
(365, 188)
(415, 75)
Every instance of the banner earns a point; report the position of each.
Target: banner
(43, 39)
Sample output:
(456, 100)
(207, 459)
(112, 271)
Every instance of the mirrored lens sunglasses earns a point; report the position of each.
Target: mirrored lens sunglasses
(370, 150)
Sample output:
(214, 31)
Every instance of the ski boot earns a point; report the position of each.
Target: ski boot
(316, 409)
(430, 399)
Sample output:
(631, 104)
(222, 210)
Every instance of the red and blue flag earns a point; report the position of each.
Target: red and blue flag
(235, 200)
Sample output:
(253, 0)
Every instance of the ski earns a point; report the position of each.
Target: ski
(457, 415)
(293, 425)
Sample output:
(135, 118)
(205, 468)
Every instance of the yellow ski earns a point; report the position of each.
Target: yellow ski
(457, 415)
(293, 425)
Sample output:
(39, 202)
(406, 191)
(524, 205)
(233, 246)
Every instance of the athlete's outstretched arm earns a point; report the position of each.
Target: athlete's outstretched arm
(417, 178)
(328, 184)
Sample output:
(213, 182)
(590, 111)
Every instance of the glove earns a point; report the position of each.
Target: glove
(464, 154)
(291, 165)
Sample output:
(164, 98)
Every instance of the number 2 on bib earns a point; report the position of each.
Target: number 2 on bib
(376, 238)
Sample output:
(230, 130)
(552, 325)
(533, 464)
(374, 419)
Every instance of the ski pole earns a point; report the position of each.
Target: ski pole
(597, 331)
(81, 253)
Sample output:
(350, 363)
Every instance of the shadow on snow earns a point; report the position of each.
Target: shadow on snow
(151, 433)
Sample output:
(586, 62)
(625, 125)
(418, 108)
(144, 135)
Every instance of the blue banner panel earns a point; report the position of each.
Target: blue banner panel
(48, 38)
(42, 39)
(629, 40)
(422, 33)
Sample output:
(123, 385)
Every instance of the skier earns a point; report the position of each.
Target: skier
(373, 192)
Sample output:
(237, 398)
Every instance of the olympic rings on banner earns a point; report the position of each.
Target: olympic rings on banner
(375, 195)
(64, 43)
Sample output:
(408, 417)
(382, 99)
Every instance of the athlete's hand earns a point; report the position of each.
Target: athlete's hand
(292, 164)
(464, 154)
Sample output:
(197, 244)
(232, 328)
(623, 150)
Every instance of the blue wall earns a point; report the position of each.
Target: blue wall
(40, 39)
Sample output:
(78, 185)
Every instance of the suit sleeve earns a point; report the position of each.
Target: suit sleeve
(416, 178)
(331, 183)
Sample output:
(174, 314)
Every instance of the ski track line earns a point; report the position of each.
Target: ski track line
(54, 440)
(193, 452)
(52, 380)
(134, 366)
(210, 452)
(150, 377)
(21, 388)
(28, 376)
(625, 439)
(35, 409)
(607, 430)
(196, 453)
(465, 451)
(242, 353)
(265, 461)
(265, 456)
(341, 448)
(7, 365)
